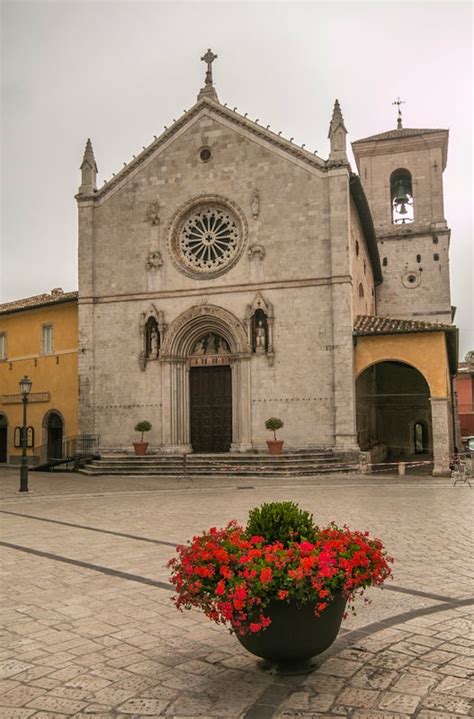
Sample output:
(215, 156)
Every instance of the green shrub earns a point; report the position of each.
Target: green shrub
(281, 522)
(143, 426)
(273, 424)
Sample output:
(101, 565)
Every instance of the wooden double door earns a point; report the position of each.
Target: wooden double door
(211, 408)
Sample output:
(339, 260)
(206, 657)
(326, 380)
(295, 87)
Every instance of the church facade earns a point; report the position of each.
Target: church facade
(227, 276)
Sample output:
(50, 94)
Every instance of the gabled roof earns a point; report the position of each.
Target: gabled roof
(208, 104)
(55, 298)
(395, 134)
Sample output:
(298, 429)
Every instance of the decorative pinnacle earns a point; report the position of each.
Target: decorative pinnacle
(89, 158)
(208, 89)
(399, 118)
(336, 119)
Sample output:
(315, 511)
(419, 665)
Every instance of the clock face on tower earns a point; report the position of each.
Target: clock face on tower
(207, 238)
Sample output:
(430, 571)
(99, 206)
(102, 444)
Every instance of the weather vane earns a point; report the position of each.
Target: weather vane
(399, 118)
(209, 58)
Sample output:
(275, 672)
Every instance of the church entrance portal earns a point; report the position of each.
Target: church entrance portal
(211, 408)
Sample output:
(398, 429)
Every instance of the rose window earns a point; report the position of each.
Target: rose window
(207, 240)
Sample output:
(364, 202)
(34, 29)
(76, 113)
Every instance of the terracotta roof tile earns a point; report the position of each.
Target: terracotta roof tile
(56, 297)
(370, 325)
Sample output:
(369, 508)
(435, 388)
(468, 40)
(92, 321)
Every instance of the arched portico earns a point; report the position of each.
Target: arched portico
(426, 354)
(176, 359)
(392, 398)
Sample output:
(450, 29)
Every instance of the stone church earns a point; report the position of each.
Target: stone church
(227, 275)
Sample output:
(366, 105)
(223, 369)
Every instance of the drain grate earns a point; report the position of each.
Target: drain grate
(245, 487)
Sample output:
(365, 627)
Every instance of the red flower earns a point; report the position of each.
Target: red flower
(266, 575)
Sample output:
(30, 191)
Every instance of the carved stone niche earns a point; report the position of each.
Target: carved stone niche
(152, 331)
(256, 252)
(154, 260)
(259, 323)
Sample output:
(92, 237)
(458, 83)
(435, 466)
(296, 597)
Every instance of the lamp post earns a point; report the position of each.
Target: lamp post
(25, 389)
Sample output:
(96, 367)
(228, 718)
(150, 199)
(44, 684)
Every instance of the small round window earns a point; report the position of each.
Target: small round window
(411, 279)
(205, 154)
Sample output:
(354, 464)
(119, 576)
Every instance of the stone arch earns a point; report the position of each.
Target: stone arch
(53, 433)
(391, 397)
(186, 329)
(181, 337)
(425, 352)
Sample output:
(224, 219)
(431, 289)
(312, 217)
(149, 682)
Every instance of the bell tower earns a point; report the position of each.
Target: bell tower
(402, 174)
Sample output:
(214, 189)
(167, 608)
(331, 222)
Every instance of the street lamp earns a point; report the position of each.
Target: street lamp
(25, 389)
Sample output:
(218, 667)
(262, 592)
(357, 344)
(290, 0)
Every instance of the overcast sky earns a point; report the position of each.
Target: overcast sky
(117, 72)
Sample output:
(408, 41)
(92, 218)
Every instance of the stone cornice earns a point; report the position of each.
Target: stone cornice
(227, 289)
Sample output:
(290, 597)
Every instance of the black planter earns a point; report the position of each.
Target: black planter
(295, 635)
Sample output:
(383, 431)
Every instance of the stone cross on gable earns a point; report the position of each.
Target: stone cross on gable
(209, 58)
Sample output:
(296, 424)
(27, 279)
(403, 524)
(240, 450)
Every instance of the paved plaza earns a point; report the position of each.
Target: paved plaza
(88, 628)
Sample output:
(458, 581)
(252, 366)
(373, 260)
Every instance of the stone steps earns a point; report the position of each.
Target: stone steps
(287, 464)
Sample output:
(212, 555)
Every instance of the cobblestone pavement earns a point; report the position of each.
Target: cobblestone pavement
(88, 628)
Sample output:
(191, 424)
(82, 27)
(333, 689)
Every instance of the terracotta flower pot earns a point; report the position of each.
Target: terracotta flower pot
(295, 634)
(140, 448)
(275, 446)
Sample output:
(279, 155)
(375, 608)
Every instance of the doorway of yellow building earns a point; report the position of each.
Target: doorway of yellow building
(3, 438)
(54, 429)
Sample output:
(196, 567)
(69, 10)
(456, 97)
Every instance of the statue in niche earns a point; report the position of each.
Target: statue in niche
(152, 336)
(259, 332)
(260, 337)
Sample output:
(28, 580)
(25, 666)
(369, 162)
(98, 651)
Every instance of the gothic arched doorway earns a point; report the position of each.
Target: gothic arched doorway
(394, 410)
(205, 365)
(54, 429)
(3, 438)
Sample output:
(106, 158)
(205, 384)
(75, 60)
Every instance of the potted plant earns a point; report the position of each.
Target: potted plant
(141, 447)
(281, 583)
(275, 446)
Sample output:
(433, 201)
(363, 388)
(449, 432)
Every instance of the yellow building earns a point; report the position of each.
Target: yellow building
(38, 338)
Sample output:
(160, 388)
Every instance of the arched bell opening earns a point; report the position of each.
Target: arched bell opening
(401, 196)
(394, 410)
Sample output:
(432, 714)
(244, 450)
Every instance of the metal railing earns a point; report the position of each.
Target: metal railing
(71, 449)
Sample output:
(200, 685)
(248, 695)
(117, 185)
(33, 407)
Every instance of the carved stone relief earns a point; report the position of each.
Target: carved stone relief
(154, 260)
(256, 252)
(153, 214)
(255, 204)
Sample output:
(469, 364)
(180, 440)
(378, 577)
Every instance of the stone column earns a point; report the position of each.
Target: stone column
(175, 414)
(441, 422)
(241, 406)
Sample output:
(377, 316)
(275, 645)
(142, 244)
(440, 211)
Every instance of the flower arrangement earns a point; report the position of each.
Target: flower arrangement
(232, 574)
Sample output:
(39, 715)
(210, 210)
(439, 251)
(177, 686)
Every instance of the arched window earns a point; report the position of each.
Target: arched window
(401, 196)
(361, 290)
